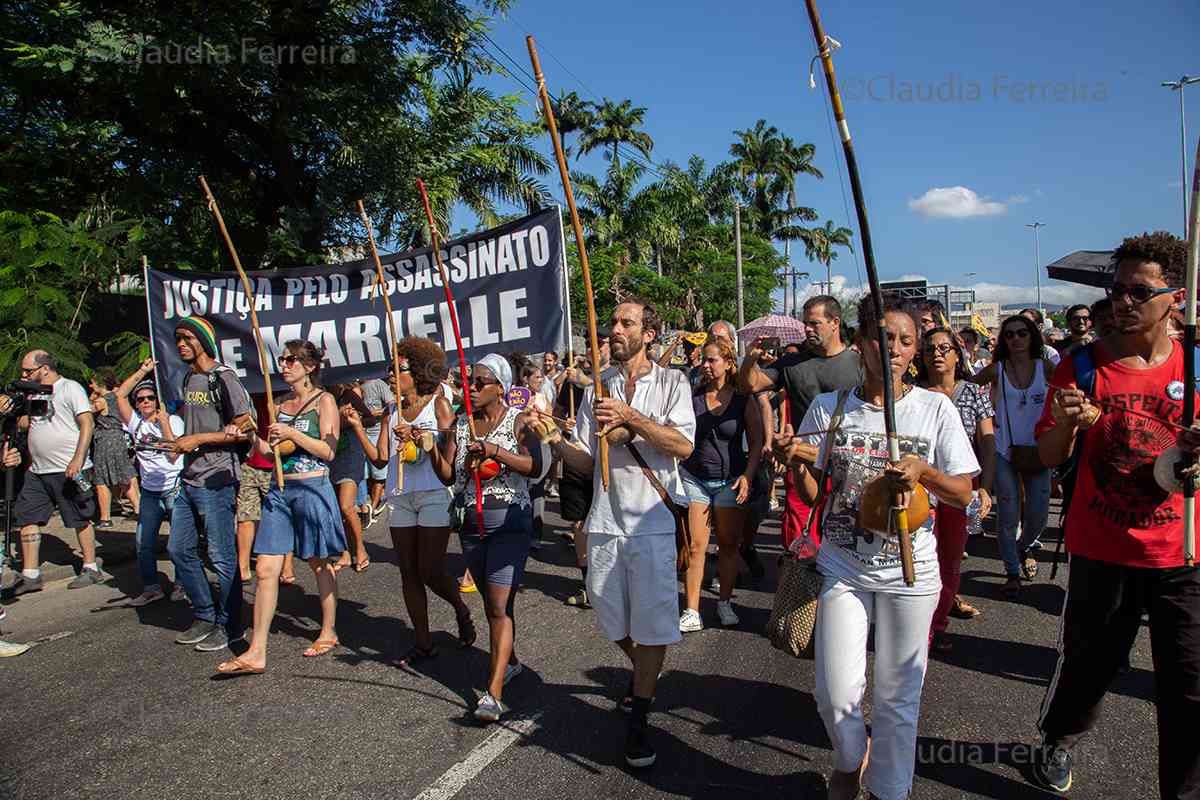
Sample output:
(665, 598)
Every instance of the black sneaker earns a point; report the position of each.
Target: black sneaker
(1052, 769)
(25, 585)
(194, 635)
(638, 752)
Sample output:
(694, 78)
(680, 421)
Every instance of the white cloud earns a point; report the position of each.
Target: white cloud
(954, 202)
(1017, 199)
(1057, 293)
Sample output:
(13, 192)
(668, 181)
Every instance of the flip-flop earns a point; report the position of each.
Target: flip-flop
(320, 647)
(415, 656)
(287, 580)
(361, 566)
(467, 588)
(238, 667)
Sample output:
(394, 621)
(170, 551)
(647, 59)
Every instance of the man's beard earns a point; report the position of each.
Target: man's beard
(632, 348)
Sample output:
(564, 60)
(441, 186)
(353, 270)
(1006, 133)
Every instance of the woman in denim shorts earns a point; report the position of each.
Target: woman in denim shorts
(496, 545)
(717, 477)
(417, 495)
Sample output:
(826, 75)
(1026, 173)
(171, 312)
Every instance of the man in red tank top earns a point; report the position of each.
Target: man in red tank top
(1124, 532)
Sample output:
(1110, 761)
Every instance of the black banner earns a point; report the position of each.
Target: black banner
(507, 283)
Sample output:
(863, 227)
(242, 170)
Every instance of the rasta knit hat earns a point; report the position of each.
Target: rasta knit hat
(202, 329)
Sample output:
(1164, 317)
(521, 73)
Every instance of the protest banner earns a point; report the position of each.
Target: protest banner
(508, 283)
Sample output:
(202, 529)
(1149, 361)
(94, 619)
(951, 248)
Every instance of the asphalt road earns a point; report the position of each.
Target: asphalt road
(106, 705)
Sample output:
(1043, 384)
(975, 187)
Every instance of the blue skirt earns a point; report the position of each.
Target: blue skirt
(303, 519)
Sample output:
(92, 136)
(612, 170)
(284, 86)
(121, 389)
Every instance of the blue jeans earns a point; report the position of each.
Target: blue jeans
(1032, 522)
(152, 510)
(214, 509)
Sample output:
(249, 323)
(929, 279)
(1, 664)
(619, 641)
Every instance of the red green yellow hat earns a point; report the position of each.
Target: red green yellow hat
(203, 330)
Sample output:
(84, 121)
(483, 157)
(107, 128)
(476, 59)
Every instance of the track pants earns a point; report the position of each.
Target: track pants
(844, 617)
(1101, 616)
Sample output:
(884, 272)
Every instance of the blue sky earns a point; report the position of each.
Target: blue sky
(1051, 112)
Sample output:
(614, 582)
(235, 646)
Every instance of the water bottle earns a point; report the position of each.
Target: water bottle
(82, 482)
(974, 519)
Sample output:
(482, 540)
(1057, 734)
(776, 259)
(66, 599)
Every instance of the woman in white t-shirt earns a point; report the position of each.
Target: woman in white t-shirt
(147, 422)
(863, 581)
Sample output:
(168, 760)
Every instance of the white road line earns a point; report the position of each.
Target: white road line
(487, 751)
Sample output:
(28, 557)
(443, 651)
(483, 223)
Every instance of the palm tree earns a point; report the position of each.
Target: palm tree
(758, 155)
(613, 124)
(819, 244)
(572, 115)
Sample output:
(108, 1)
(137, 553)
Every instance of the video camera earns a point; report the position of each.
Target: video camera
(26, 399)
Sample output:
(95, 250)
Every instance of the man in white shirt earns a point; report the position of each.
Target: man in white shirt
(631, 532)
(60, 475)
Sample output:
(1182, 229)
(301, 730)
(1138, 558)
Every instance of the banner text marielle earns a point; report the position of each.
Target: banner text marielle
(507, 282)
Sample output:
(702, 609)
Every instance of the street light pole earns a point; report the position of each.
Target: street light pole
(1178, 86)
(1037, 259)
(737, 242)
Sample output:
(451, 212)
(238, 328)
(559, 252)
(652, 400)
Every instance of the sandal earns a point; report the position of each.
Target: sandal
(466, 631)
(320, 647)
(963, 610)
(361, 566)
(415, 656)
(287, 580)
(238, 667)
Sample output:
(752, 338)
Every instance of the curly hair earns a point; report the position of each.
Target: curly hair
(426, 362)
(1164, 249)
(960, 368)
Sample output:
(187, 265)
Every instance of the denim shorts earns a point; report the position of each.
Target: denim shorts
(498, 559)
(706, 492)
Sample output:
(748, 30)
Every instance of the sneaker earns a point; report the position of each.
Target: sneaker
(725, 612)
(512, 671)
(200, 630)
(1052, 769)
(26, 585)
(88, 577)
(217, 640)
(104, 523)
(638, 752)
(579, 600)
(178, 595)
(1036, 544)
(690, 622)
(146, 598)
(715, 586)
(489, 709)
(9, 649)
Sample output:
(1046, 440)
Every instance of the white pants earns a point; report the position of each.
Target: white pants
(844, 616)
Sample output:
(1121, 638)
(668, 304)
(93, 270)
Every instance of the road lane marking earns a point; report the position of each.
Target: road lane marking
(487, 751)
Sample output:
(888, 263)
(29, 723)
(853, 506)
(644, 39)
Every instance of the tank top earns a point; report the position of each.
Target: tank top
(1019, 409)
(307, 422)
(719, 453)
(507, 488)
(418, 475)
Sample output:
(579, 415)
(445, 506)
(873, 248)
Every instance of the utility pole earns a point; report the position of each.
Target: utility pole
(737, 244)
(1037, 259)
(1178, 86)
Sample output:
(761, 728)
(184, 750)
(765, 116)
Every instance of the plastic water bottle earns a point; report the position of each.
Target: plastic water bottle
(974, 519)
(82, 482)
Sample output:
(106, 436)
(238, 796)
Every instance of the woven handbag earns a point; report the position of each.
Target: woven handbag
(794, 613)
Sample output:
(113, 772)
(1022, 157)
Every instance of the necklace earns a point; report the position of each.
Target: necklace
(860, 392)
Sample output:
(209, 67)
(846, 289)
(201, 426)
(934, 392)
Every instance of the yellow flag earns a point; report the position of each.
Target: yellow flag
(979, 327)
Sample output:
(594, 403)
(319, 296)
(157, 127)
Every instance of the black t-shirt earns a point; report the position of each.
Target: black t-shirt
(804, 376)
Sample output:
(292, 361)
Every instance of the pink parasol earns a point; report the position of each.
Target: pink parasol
(788, 329)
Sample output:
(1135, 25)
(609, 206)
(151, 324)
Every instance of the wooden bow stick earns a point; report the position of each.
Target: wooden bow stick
(381, 288)
(864, 229)
(1189, 370)
(565, 175)
(258, 338)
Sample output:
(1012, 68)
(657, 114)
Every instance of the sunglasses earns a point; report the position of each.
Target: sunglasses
(1137, 293)
(940, 349)
(145, 398)
(287, 361)
(1016, 333)
(483, 383)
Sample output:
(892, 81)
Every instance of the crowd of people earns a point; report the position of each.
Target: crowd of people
(981, 424)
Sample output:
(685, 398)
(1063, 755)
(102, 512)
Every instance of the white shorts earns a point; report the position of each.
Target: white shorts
(428, 509)
(632, 587)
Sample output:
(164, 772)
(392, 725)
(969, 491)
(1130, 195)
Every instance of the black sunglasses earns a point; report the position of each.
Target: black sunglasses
(1080, 318)
(288, 360)
(483, 383)
(943, 349)
(143, 398)
(1138, 293)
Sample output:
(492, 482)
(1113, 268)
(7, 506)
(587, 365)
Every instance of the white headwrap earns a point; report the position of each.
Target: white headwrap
(500, 368)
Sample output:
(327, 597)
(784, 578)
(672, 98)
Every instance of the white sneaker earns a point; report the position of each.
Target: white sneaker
(690, 622)
(146, 598)
(725, 612)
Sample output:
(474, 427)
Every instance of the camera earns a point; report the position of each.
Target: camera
(27, 399)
